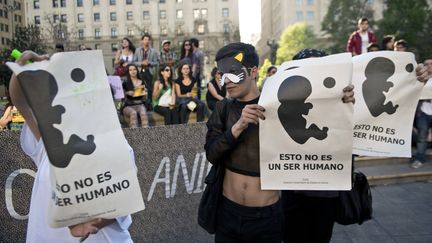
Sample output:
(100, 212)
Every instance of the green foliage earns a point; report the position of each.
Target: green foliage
(293, 39)
(25, 38)
(341, 20)
(411, 21)
(263, 71)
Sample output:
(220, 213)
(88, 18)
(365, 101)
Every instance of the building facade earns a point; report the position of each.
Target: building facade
(277, 15)
(11, 15)
(101, 24)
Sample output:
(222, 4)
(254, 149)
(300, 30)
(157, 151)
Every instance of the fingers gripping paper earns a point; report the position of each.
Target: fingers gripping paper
(306, 138)
(91, 170)
(387, 94)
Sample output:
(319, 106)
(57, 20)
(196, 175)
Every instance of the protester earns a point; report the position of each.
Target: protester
(186, 56)
(388, 43)
(373, 47)
(360, 39)
(135, 94)
(401, 45)
(97, 230)
(164, 97)
(187, 95)
(166, 56)
(270, 71)
(423, 123)
(198, 64)
(215, 90)
(124, 56)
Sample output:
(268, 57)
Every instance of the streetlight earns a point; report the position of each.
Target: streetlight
(11, 9)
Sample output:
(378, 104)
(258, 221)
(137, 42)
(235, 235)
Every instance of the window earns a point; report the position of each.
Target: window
(299, 15)
(97, 33)
(146, 15)
(1, 27)
(129, 15)
(179, 14)
(63, 18)
(310, 15)
(6, 28)
(226, 28)
(114, 47)
(36, 4)
(161, 1)
(164, 30)
(5, 13)
(114, 32)
(81, 34)
(1, 12)
(96, 17)
(225, 12)
(146, 1)
(162, 14)
(129, 2)
(196, 13)
(204, 13)
(63, 3)
(113, 16)
(55, 3)
(96, 2)
(299, 2)
(18, 5)
(130, 32)
(80, 17)
(37, 20)
(79, 3)
(97, 46)
(56, 18)
(112, 2)
(310, 2)
(201, 29)
(179, 1)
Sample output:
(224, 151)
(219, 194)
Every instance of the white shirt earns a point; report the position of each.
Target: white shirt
(38, 229)
(365, 42)
(426, 107)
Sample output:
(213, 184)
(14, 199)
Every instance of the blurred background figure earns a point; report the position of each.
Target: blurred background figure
(401, 45)
(59, 47)
(360, 39)
(124, 56)
(215, 91)
(387, 43)
(270, 71)
(373, 47)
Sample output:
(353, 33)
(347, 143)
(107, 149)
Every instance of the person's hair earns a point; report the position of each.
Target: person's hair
(269, 69)
(146, 35)
(179, 72)
(401, 42)
(308, 53)
(183, 51)
(161, 78)
(213, 72)
(59, 46)
(250, 57)
(131, 45)
(386, 39)
(128, 77)
(372, 45)
(361, 20)
(194, 42)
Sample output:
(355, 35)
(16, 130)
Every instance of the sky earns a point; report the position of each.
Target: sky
(250, 19)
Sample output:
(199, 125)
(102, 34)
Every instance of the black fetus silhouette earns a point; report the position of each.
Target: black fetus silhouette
(377, 71)
(292, 94)
(40, 88)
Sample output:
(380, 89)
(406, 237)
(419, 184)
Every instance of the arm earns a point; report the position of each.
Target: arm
(350, 45)
(117, 58)
(137, 57)
(173, 96)
(156, 90)
(83, 230)
(153, 59)
(7, 117)
(213, 92)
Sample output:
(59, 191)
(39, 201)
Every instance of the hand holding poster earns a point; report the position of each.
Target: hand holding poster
(91, 169)
(387, 95)
(306, 138)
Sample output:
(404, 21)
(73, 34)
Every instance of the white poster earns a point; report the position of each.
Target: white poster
(306, 138)
(92, 171)
(387, 94)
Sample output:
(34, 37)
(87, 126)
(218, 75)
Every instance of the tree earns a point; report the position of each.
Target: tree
(263, 71)
(411, 21)
(293, 39)
(58, 32)
(341, 20)
(25, 38)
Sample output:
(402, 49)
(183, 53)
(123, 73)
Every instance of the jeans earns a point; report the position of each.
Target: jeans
(423, 124)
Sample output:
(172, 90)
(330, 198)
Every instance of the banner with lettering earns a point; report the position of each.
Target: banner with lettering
(387, 94)
(92, 173)
(306, 138)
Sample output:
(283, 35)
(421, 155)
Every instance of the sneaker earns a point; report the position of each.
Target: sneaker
(416, 164)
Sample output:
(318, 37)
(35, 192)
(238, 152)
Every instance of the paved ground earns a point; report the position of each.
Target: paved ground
(402, 214)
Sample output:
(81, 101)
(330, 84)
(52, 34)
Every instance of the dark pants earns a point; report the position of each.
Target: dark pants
(184, 111)
(238, 223)
(308, 219)
(170, 115)
(423, 123)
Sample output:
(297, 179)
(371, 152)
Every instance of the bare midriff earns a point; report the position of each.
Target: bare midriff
(246, 190)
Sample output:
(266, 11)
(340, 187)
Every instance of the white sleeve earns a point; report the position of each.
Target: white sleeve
(31, 146)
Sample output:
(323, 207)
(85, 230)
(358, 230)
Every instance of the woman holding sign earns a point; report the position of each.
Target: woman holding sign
(136, 93)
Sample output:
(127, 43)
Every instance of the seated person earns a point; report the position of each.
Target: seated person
(164, 96)
(215, 91)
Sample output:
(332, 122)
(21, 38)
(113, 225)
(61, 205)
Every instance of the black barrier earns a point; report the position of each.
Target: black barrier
(171, 169)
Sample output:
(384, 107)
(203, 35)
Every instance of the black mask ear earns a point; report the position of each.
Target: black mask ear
(231, 64)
